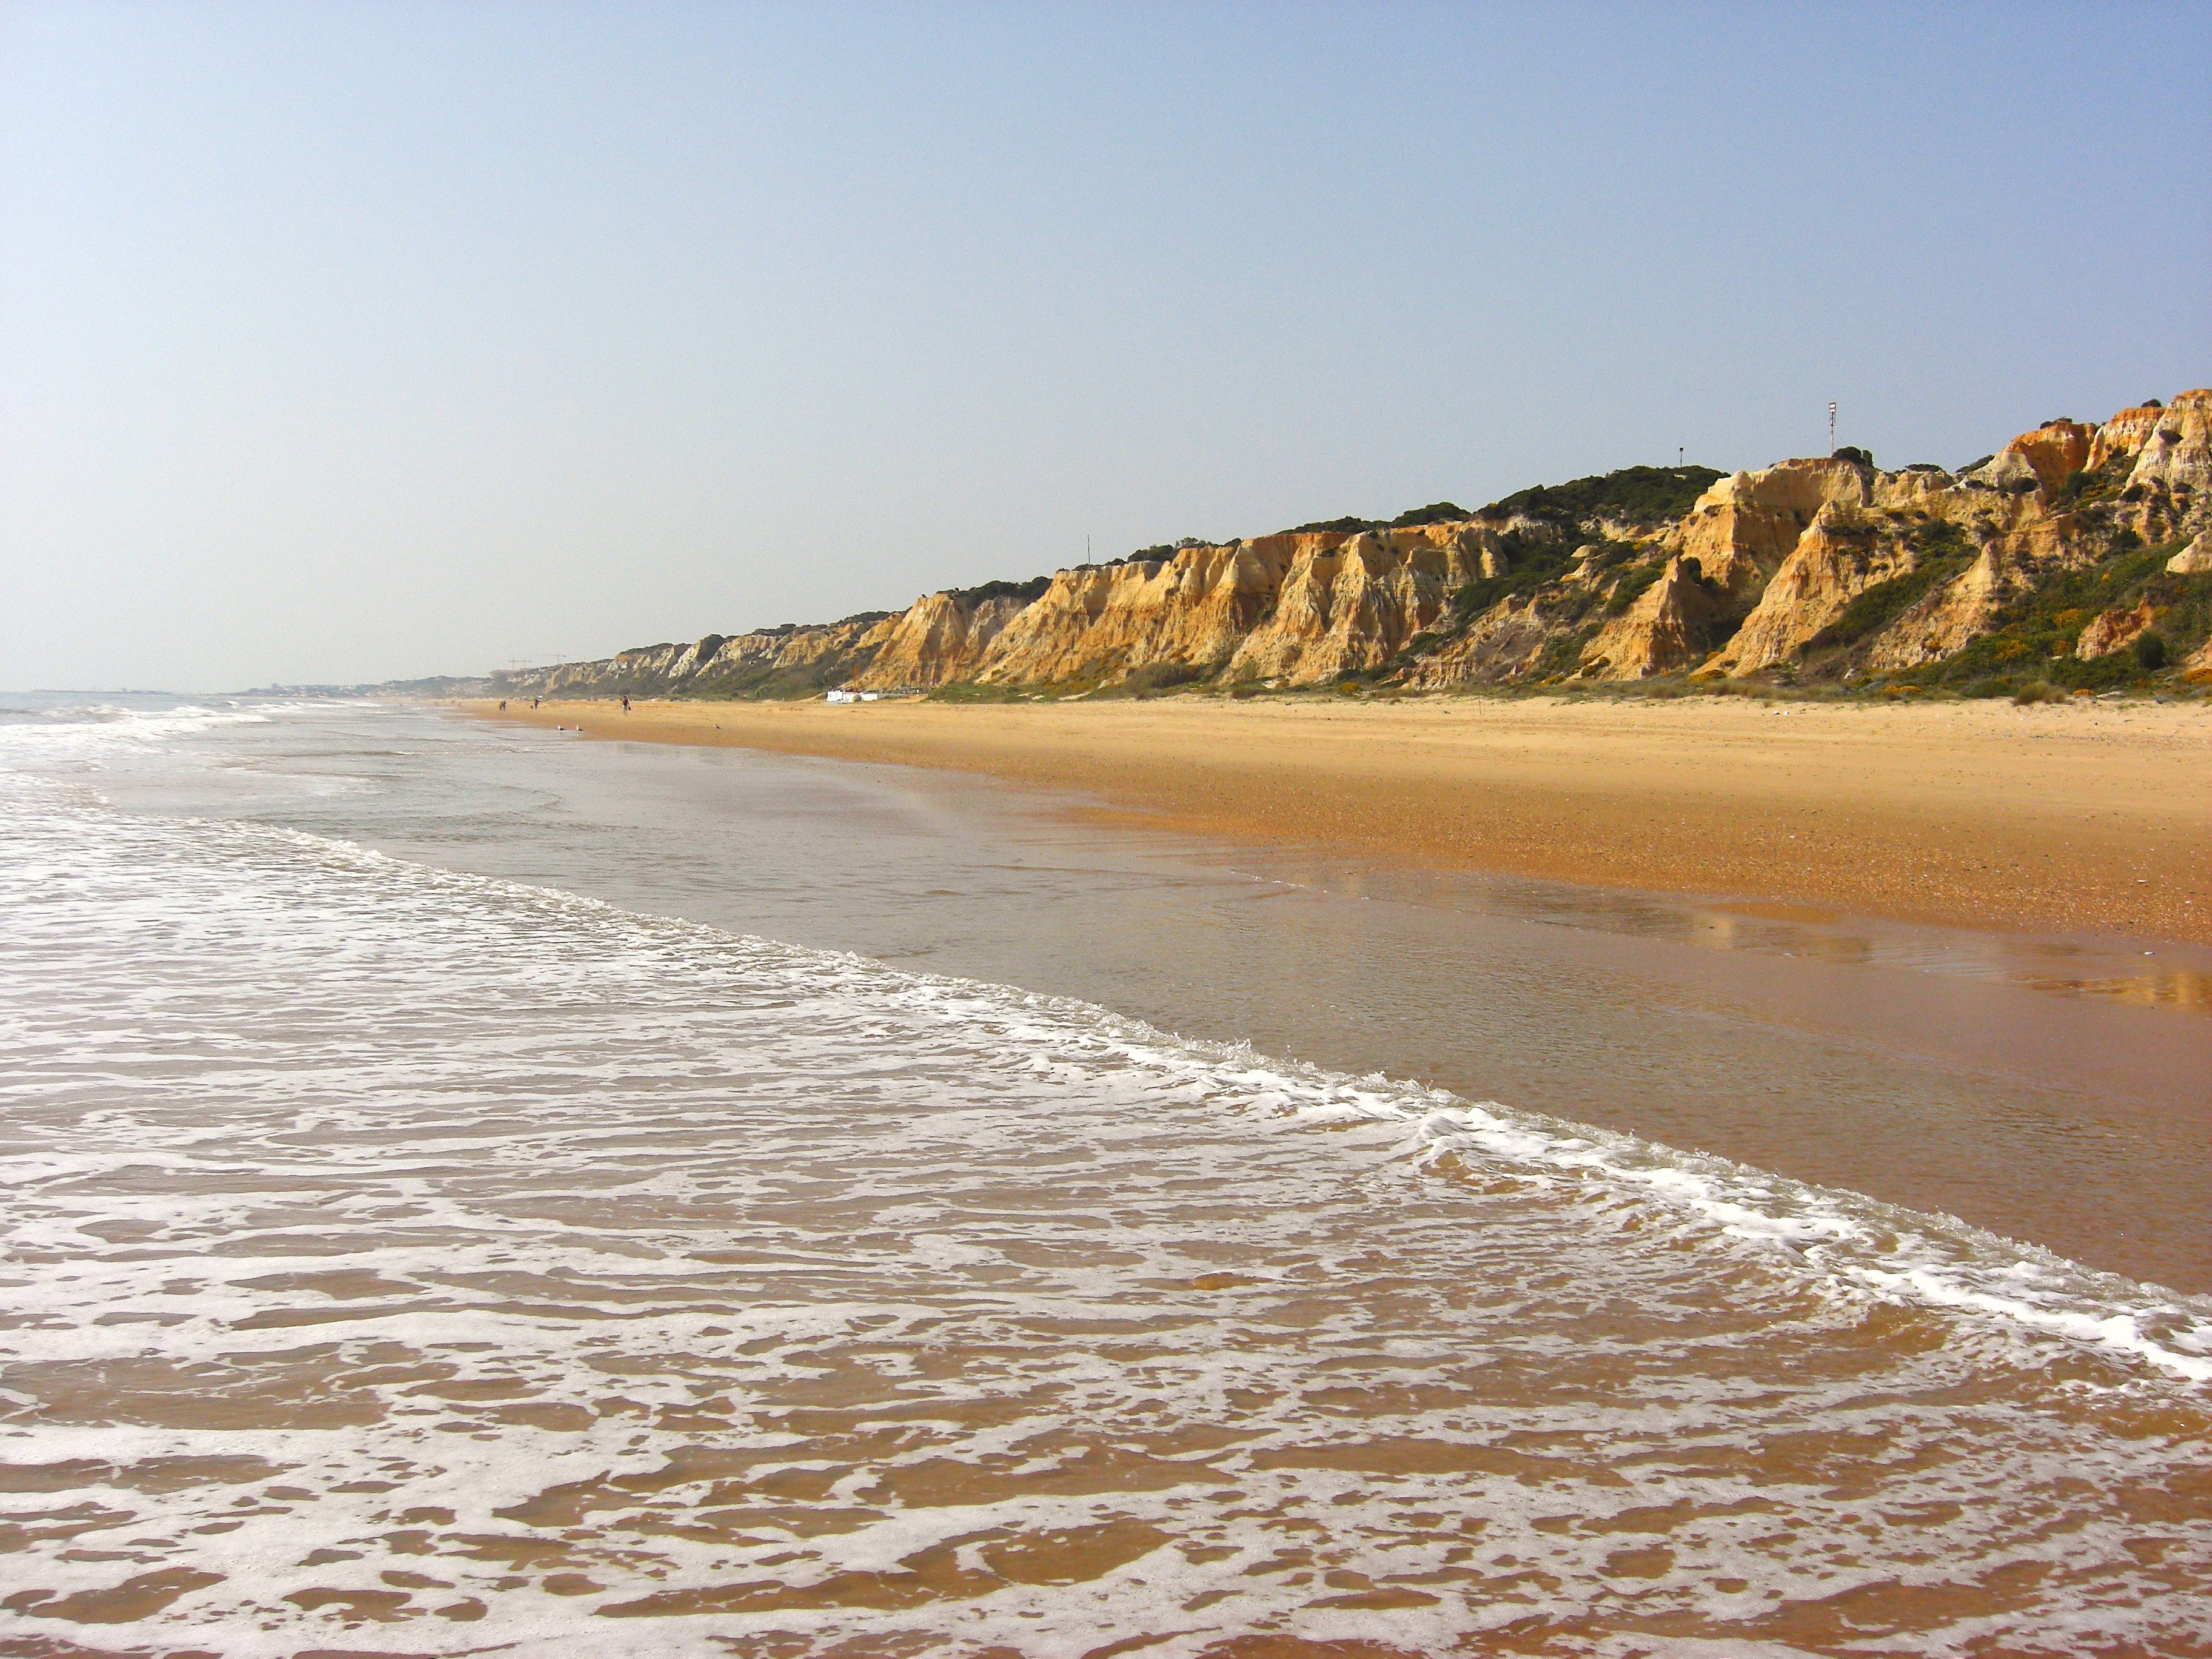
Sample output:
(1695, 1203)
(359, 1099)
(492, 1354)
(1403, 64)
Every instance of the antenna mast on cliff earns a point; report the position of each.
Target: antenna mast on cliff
(1832, 429)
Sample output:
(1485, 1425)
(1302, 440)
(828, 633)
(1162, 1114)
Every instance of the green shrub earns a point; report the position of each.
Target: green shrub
(2149, 650)
(1572, 607)
(1028, 592)
(1155, 677)
(2105, 673)
(2084, 486)
(1434, 512)
(1641, 494)
(1529, 562)
(971, 691)
(1563, 654)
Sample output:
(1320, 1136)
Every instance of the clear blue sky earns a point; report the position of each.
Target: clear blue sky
(342, 342)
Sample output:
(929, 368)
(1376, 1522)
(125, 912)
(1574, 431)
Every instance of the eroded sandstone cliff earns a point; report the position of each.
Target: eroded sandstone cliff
(2075, 553)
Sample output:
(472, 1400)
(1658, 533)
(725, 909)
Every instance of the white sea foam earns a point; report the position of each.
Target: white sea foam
(77, 735)
(388, 1244)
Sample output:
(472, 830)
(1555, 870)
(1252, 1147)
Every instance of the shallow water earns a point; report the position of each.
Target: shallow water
(2046, 1089)
(411, 1258)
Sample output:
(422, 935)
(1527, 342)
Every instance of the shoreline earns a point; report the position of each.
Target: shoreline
(1982, 815)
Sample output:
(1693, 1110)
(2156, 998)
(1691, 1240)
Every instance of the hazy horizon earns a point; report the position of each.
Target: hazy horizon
(362, 343)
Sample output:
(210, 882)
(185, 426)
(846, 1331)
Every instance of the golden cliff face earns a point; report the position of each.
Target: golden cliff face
(1354, 606)
(1098, 622)
(2176, 451)
(1785, 544)
(1503, 643)
(1665, 630)
(1743, 529)
(2049, 455)
(1826, 566)
(2115, 630)
(1947, 617)
(939, 639)
(2013, 509)
(1843, 552)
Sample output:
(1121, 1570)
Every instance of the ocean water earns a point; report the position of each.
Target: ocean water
(419, 1240)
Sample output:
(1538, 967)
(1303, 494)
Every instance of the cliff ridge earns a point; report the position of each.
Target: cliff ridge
(2074, 555)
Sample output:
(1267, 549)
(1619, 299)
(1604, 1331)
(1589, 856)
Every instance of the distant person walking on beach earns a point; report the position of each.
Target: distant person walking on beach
(625, 705)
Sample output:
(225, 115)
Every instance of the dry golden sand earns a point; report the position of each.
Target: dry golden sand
(2096, 817)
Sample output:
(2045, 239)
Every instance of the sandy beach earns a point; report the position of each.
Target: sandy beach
(2083, 818)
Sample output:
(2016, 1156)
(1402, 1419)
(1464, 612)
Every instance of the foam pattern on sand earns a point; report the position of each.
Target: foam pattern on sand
(403, 1261)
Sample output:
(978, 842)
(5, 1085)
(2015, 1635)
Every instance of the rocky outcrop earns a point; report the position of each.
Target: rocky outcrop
(2114, 630)
(2178, 451)
(1947, 618)
(2170, 444)
(1670, 625)
(1799, 542)
(1196, 608)
(2194, 560)
(1353, 607)
(786, 661)
(1827, 567)
(1503, 643)
(1743, 528)
(1843, 552)
(939, 638)
(1300, 606)
(2044, 458)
